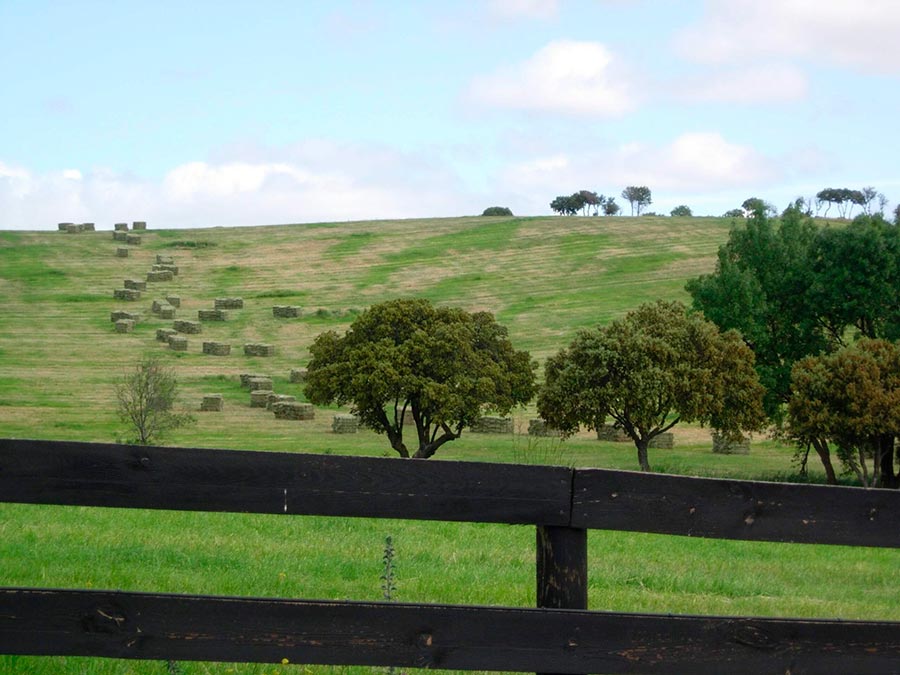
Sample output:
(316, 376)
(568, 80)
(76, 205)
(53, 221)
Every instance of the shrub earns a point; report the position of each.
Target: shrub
(497, 211)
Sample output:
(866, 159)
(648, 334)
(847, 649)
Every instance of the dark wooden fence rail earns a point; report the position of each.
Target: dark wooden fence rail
(559, 636)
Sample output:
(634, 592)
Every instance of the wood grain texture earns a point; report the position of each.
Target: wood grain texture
(735, 509)
(149, 626)
(95, 474)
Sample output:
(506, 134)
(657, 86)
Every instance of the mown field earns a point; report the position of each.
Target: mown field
(544, 278)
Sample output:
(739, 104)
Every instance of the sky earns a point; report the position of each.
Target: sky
(201, 114)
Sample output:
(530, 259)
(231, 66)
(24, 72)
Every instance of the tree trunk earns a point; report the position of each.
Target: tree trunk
(642, 446)
(824, 454)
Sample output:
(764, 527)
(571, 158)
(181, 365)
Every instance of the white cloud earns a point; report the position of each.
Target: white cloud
(771, 83)
(528, 9)
(312, 181)
(72, 174)
(565, 76)
(692, 163)
(851, 33)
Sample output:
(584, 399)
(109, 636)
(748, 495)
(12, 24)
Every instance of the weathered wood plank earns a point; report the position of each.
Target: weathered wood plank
(94, 474)
(735, 509)
(150, 626)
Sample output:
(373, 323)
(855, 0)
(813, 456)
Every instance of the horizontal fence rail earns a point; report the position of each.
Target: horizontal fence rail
(555, 638)
(184, 627)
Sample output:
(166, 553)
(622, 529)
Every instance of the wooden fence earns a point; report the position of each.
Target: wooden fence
(560, 636)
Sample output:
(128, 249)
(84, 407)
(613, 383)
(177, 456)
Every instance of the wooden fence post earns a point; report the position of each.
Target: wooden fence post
(561, 568)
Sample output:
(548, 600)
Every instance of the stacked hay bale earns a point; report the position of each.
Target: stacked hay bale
(178, 343)
(246, 377)
(260, 383)
(294, 411)
(166, 311)
(173, 300)
(133, 239)
(88, 227)
(136, 284)
(121, 252)
(298, 375)
(162, 267)
(163, 334)
(139, 225)
(279, 398)
(723, 445)
(189, 327)
(258, 349)
(613, 434)
(665, 441)
(229, 303)
(124, 326)
(64, 227)
(160, 275)
(286, 312)
(490, 424)
(120, 236)
(344, 423)
(126, 294)
(212, 403)
(216, 348)
(73, 228)
(212, 315)
(121, 315)
(164, 259)
(259, 398)
(538, 427)
(120, 227)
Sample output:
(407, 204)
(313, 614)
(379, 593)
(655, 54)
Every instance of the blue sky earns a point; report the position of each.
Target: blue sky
(228, 113)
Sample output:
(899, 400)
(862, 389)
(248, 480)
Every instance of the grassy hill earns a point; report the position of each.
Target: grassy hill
(544, 278)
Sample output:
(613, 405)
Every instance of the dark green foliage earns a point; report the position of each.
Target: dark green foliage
(189, 243)
(444, 366)
(650, 370)
(146, 397)
(638, 196)
(844, 198)
(734, 213)
(497, 211)
(683, 211)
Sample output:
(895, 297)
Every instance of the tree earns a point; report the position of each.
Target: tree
(146, 396)
(897, 215)
(443, 366)
(497, 211)
(682, 211)
(850, 399)
(610, 208)
(657, 366)
(565, 205)
(588, 199)
(734, 213)
(638, 196)
(753, 205)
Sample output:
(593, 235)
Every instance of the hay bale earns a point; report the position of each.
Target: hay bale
(298, 375)
(122, 252)
(124, 326)
(160, 275)
(164, 259)
(263, 383)
(126, 294)
(120, 227)
(157, 305)
(665, 441)
(133, 239)
(286, 312)
(120, 236)
(73, 228)
(139, 225)
(279, 398)
(490, 424)
(212, 315)
(216, 348)
(163, 334)
(161, 267)
(246, 377)
(294, 411)
(722, 445)
(612, 434)
(229, 303)
(212, 403)
(64, 227)
(258, 349)
(178, 343)
(344, 424)
(166, 312)
(187, 326)
(87, 227)
(259, 398)
(136, 284)
(539, 427)
(173, 300)
(119, 315)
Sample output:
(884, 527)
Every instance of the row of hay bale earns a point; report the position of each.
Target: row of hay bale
(75, 228)
(283, 406)
(128, 238)
(286, 312)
